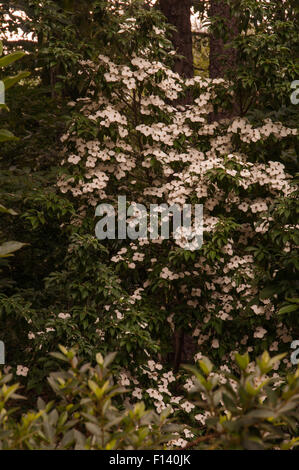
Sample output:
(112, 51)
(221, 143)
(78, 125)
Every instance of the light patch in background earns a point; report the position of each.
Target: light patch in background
(197, 23)
(20, 34)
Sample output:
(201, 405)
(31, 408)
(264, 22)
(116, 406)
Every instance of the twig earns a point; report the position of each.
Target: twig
(200, 439)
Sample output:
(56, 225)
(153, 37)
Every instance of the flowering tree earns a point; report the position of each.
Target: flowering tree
(129, 138)
(142, 131)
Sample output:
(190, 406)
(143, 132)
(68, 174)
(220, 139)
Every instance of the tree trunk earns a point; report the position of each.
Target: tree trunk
(178, 14)
(223, 57)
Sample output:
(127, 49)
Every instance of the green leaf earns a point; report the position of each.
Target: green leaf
(206, 365)
(7, 211)
(262, 413)
(7, 248)
(9, 59)
(288, 309)
(11, 81)
(267, 292)
(242, 361)
(99, 359)
(6, 136)
(293, 301)
(93, 429)
(109, 358)
(250, 388)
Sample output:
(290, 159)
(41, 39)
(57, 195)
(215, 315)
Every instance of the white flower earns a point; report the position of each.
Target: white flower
(137, 393)
(257, 310)
(21, 370)
(202, 417)
(124, 379)
(187, 406)
(64, 316)
(74, 159)
(188, 433)
(179, 442)
(259, 332)
(119, 315)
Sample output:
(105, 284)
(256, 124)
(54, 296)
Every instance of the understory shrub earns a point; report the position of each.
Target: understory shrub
(248, 409)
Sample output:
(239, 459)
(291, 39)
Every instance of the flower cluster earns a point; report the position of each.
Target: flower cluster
(149, 147)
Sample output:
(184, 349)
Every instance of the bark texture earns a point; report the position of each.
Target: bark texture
(222, 58)
(178, 14)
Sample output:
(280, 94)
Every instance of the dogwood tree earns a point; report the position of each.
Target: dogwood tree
(130, 137)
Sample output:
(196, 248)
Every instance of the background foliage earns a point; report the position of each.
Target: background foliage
(60, 285)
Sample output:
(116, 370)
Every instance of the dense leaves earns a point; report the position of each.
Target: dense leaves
(101, 115)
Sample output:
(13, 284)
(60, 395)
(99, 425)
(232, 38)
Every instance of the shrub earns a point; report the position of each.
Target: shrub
(250, 410)
(89, 413)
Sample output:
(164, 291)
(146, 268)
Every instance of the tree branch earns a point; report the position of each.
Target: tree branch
(200, 439)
